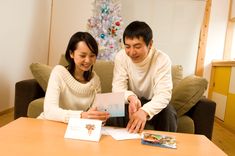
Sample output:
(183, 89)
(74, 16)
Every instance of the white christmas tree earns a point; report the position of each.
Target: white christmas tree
(106, 26)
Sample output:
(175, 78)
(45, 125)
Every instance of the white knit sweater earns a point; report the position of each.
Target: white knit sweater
(66, 97)
(150, 79)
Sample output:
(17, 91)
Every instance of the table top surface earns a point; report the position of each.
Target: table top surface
(27, 136)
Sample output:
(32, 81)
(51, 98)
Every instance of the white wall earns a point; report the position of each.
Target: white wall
(176, 25)
(216, 34)
(24, 31)
(68, 17)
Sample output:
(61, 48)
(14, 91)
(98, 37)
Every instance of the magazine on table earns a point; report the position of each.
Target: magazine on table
(158, 140)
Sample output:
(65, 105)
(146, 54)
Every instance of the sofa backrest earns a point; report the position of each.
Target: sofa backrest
(104, 69)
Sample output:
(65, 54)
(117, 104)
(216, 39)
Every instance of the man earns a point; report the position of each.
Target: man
(144, 74)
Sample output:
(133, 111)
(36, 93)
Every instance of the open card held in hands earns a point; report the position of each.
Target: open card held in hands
(114, 103)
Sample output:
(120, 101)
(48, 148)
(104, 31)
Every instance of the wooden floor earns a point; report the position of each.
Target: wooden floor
(6, 117)
(222, 137)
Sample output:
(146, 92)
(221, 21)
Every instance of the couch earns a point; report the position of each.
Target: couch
(195, 112)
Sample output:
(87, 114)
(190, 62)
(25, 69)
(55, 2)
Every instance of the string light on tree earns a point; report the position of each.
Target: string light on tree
(106, 26)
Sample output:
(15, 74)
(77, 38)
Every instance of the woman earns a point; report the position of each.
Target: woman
(71, 90)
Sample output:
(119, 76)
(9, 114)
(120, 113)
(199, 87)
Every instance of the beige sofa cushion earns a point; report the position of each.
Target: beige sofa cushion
(177, 74)
(185, 124)
(104, 69)
(35, 108)
(187, 93)
(41, 73)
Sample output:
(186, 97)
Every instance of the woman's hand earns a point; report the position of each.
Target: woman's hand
(93, 113)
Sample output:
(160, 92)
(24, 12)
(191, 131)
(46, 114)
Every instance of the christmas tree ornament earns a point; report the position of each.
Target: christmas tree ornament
(106, 26)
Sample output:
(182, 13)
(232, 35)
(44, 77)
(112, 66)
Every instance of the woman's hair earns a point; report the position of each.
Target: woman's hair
(72, 46)
(138, 29)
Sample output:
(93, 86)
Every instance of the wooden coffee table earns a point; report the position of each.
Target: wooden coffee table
(27, 136)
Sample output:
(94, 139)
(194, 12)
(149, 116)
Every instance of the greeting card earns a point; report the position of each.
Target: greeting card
(114, 103)
(83, 129)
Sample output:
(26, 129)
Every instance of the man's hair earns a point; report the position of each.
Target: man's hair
(138, 29)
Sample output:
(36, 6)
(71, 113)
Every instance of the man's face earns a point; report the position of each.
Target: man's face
(136, 49)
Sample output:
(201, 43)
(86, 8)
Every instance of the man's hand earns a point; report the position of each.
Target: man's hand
(137, 121)
(134, 105)
(93, 113)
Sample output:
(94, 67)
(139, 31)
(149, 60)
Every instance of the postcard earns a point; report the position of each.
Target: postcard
(83, 129)
(114, 103)
(119, 133)
(158, 140)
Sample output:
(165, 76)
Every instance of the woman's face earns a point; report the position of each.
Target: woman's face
(83, 57)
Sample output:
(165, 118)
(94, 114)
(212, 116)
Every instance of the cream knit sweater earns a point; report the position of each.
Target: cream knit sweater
(66, 97)
(150, 79)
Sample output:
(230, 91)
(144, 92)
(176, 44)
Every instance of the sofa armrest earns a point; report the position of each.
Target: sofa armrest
(203, 114)
(25, 92)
